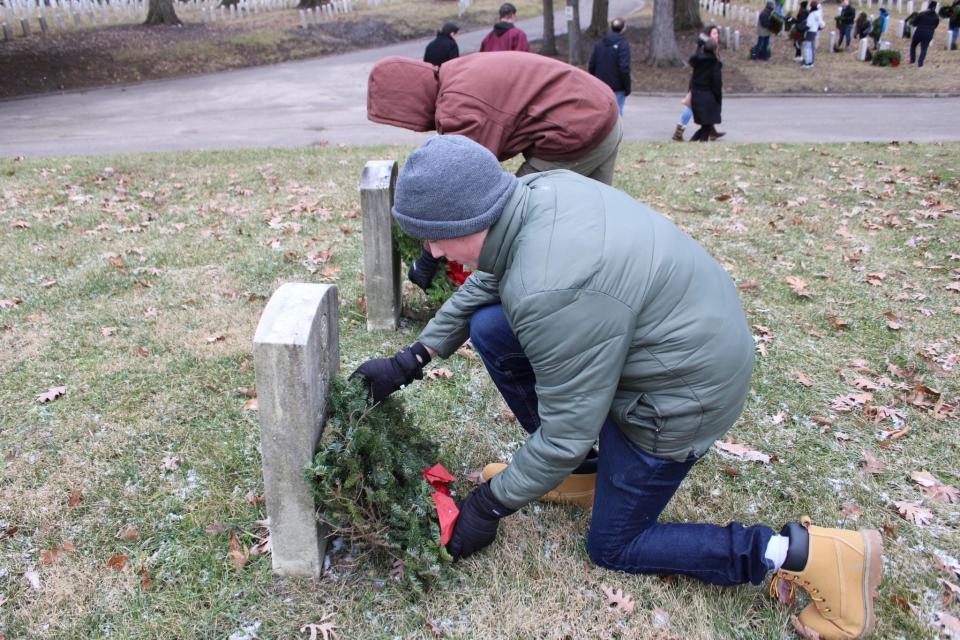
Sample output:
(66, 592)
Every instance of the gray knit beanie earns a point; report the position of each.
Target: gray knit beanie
(450, 187)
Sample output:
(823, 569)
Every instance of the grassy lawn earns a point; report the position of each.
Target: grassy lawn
(136, 283)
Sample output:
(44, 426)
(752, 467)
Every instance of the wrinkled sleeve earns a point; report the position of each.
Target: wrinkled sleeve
(577, 341)
(450, 327)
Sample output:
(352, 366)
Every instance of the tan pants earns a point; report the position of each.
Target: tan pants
(597, 163)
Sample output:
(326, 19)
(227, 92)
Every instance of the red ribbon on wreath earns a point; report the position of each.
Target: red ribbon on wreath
(456, 274)
(447, 512)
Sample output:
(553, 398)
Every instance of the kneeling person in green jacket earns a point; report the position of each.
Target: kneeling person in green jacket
(597, 318)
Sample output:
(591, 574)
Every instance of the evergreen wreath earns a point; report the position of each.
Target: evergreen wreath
(369, 485)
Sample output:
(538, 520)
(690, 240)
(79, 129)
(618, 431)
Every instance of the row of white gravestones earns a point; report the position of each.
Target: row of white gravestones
(296, 353)
(29, 16)
(324, 12)
(748, 13)
(462, 6)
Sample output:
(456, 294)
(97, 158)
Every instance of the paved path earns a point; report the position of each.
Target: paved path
(323, 101)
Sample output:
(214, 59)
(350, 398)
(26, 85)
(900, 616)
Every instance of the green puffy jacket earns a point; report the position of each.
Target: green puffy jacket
(619, 313)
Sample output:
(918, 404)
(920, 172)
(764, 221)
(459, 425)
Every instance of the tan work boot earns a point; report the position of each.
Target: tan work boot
(678, 133)
(840, 571)
(576, 489)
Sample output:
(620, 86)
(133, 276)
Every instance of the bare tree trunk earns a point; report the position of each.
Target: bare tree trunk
(161, 12)
(549, 46)
(663, 41)
(686, 15)
(574, 48)
(599, 18)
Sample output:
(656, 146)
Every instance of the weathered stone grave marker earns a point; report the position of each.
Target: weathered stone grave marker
(381, 258)
(296, 352)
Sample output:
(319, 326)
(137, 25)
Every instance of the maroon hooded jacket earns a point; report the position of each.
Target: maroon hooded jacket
(505, 37)
(510, 102)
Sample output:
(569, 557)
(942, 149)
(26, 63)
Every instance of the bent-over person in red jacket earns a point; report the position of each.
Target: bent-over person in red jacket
(556, 115)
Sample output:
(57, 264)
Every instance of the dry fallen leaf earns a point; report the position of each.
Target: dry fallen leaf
(325, 628)
(871, 464)
(144, 577)
(128, 533)
(251, 405)
(255, 499)
(802, 379)
(914, 513)
(170, 463)
(850, 401)
(117, 562)
(949, 623)
(924, 478)
(618, 600)
(440, 372)
(799, 286)
(51, 394)
(239, 554)
(786, 594)
(852, 510)
(741, 451)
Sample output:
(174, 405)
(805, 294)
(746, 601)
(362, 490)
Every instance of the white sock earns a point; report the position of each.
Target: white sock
(777, 550)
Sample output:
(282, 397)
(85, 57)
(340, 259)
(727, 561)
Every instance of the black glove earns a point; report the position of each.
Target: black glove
(477, 523)
(423, 269)
(386, 375)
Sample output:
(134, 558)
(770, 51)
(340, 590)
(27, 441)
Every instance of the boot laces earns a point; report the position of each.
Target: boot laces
(793, 580)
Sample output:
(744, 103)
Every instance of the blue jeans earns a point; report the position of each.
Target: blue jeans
(845, 33)
(810, 48)
(763, 44)
(621, 97)
(633, 487)
(924, 43)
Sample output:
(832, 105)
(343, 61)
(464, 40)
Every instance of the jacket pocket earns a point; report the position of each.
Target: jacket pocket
(642, 412)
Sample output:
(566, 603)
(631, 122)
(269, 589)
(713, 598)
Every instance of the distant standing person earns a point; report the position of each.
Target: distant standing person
(923, 27)
(610, 62)
(762, 49)
(706, 89)
(815, 24)
(799, 31)
(954, 25)
(444, 46)
(506, 36)
(847, 17)
(710, 32)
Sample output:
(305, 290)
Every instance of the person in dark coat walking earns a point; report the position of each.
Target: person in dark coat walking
(706, 88)
(923, 27)
(444, 46)
(610, 61)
